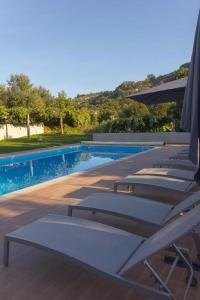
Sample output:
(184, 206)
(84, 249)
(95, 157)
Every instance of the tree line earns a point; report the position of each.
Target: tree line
(22, 103)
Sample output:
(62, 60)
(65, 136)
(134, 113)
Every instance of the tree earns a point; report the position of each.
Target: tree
(21, 94)
(61, 102)
(133, 108)
(130, 87)
(151, 78)
(107, 115)
(161, 109)
(3, 95)
(175, 114)
(4, 115)
(18, 115)
(94, 117)
(182, 72)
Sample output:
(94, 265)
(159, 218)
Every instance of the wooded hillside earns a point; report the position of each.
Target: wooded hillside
(23, 103)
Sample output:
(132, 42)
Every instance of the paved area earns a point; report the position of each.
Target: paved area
(37, 275)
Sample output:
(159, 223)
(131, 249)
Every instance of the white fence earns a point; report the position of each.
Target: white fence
(168, 137)
(11, 131)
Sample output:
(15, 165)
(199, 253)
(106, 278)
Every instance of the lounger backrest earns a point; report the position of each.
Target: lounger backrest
(166, 236)
(183, 205)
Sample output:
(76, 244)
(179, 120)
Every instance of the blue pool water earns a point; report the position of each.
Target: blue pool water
(21, 171)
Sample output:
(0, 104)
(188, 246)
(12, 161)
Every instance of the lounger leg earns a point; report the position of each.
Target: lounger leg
(196, 237)
(70, 211)
(115, 187)
(131, 188)
(6, 252)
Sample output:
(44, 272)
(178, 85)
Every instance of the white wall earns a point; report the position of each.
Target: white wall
(168, 137)
(19, 131)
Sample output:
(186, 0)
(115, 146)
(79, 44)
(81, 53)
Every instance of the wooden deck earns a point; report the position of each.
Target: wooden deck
(37, 275)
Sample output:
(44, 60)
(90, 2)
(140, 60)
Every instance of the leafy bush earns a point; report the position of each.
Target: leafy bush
(148, 123)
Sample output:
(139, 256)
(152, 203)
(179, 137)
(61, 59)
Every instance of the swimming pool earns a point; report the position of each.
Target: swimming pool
(20, 171)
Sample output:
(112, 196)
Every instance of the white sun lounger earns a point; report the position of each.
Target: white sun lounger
(168, 172)
(166, 183)
(176, 164)
(108, 251)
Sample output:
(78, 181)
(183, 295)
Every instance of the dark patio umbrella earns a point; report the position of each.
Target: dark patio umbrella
(190, 120)
(166, 92)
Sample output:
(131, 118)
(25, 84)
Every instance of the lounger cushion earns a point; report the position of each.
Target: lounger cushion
(94, 244)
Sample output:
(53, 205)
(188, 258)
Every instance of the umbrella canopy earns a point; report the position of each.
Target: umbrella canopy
(166, 92)
(190, 120)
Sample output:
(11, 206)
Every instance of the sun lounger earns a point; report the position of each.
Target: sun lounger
(135, 208)
(185, 150)
(176, 164)
(138, 209)
(108, 251)
(167, 172)
(183, 156)
(167, 183)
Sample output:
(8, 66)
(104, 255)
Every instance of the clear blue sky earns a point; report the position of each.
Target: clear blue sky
(92, 45)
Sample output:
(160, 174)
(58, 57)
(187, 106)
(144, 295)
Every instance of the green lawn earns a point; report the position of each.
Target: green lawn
(40, 141)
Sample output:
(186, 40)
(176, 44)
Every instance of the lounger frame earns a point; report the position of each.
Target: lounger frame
(162, 293)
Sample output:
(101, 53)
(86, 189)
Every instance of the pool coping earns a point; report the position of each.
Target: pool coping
(33, 151)
(65, 177)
